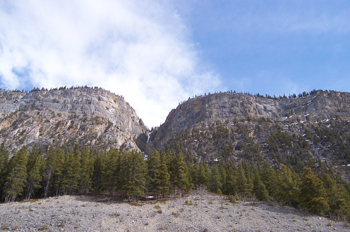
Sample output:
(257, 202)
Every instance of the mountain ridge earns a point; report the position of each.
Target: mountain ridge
(90, 116)
(218, 106)
(225, 126)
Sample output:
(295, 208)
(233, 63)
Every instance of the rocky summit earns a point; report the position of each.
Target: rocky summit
(84, 116)
(311, 129)
(209, 108)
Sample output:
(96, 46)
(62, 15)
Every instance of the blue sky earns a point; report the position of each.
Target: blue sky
(158, 53)
(274, 47)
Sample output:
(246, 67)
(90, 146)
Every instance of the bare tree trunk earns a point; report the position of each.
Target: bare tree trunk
(29, 193)
(47, 186)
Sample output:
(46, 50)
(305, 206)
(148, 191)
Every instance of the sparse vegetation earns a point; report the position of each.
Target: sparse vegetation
(289, 160)
(189, 202)
(62, 223)
(232, 199)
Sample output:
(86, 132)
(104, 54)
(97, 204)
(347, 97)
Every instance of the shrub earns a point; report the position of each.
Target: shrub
(188, 202)
(175, 214)
(232, 199)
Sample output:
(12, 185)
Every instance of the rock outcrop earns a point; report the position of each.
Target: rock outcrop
(229, 105)
(83, 116)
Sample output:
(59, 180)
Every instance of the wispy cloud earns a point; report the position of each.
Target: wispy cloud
(139, 50)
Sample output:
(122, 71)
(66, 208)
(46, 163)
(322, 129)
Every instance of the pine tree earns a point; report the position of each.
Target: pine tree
(312, 193)
(48, 171)
(250, 179)
(342, 203)
(241, 182)
(203, 175)
(172, 167)
(57, 172)
(194, 171)
(153, 163)
(135, 170)
(215, 183)
(34, 172)
(269, 178)
(71, 172)
(231, 180)
(259, 188)
(163, 183)
(4, 155)
(223, 176)
(288, 186)
(111, 174)
(182, 174)
(17, 175)
(86, 163)
(97, 174)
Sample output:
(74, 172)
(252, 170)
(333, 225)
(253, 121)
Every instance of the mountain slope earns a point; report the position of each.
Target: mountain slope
(84, 116)
(226, 106)
(312, 129)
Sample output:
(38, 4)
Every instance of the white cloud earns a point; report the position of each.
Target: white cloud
(138, 50)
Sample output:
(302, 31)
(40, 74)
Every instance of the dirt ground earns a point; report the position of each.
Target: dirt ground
(197, 212)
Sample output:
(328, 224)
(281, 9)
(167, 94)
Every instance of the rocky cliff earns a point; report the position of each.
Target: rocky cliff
(230, 105)
(309, 130)
(84, 116)
(224, 126)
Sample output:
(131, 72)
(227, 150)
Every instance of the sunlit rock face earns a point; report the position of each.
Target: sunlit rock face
(83, 116)
(229, 105)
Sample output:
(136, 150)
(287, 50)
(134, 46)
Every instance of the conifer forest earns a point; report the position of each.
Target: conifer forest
(41, 173)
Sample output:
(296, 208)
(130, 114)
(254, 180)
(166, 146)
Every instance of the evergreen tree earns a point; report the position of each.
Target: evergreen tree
(250, 182)
(57, 172)
(135, 170)
(153, 163)
(259, 188)
(223, 176)
(172, 167)
(86, 163)
(241, 183)
(342, 202)
(97, 174)
(312, 193)
(163, 183)
(111, 173)
(17, 175)
(215, 183)
(182, 174)
(34, 172)
(4, 156)
(269, 178)
(287, 186)
(203, 175)
(194, 171)
(76, 173)
(231, 179)
(48, 171)
(71, 172)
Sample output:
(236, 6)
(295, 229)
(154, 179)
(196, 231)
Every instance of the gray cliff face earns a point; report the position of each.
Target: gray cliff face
(222, 106)
(85, 116)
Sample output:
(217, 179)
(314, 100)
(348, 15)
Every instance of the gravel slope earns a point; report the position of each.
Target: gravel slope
(207, 213)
